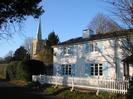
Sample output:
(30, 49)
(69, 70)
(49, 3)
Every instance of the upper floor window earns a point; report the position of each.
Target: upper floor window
(67, 50)
(70, 50)
(93, 46)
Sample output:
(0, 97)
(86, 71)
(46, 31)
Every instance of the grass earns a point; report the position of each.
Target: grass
(49, 90)
(78, 95)
(67, 94)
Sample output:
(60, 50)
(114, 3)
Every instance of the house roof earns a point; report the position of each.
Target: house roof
(120, 33)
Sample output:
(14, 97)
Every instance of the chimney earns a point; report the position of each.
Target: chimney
(87, 33)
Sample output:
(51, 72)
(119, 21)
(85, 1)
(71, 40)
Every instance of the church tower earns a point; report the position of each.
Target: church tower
(38, 43)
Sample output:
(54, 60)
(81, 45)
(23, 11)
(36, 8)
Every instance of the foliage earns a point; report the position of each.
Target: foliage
(28, 44)
(14, 71)
(80, 95)
(130, 90)
(101, 24)
(53, 39)
(46, 56)
(64, 92)
(20, 54)
(3, 71)
(33, 67)
(33, 84)
(23, 70)
(16, 10)
(9, 57)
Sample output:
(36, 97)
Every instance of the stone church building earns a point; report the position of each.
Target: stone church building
(40, 51)
(38, 43)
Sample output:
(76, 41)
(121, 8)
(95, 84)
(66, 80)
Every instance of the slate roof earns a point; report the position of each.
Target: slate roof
(120, 33)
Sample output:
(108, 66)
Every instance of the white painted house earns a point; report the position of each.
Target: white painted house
(95, 56)
(93, 61)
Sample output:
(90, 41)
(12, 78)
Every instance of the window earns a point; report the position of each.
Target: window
(66, 50)
(66, 69)
(86, 47)
(63, 50)
(96, 70)
(93, 46)
(70, 50)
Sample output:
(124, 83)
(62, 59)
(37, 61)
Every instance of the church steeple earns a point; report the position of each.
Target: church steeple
(38, 33)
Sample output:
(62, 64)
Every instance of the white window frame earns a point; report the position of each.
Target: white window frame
(66, 69)
(96, 69)
(93, 47)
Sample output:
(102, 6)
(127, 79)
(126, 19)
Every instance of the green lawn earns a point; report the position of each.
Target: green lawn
(64, 92)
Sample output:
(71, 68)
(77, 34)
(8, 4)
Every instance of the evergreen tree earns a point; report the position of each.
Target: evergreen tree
(17, 10)
(20, 54)
(53, 39)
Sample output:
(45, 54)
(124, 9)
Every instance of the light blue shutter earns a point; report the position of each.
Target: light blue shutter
(59, 70)
(105, 69)
(61, 49)
(73, 69)
(100, 46)
(75, 48)
(86, 48)
(70, 51)
(87, 69)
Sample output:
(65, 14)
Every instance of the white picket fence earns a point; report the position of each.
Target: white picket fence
(116, 86)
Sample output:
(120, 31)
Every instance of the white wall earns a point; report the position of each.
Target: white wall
(80, 58)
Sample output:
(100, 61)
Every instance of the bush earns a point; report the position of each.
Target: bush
(33, 84)
(3, 71)
(130, 90)
(15, 71)
(33, 67)
(23, 70)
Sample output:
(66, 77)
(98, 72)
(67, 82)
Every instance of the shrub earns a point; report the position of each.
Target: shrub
(33, 67)
(15, 71)
(33, 84)
(130, 90)
(3, 71)
(23, 70)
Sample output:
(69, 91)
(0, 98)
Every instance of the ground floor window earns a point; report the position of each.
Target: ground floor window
(67, 69)
(96, 69)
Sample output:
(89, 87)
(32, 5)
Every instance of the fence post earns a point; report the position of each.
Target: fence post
(72, 84)
(56, 82)
(98, 87)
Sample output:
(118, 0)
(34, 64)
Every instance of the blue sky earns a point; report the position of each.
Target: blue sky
(66, 17)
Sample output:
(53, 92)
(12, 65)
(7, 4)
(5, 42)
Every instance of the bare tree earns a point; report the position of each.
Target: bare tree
(123, 9)
(9, 56)
(101, 24)
(127, 46)
(28, 44)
